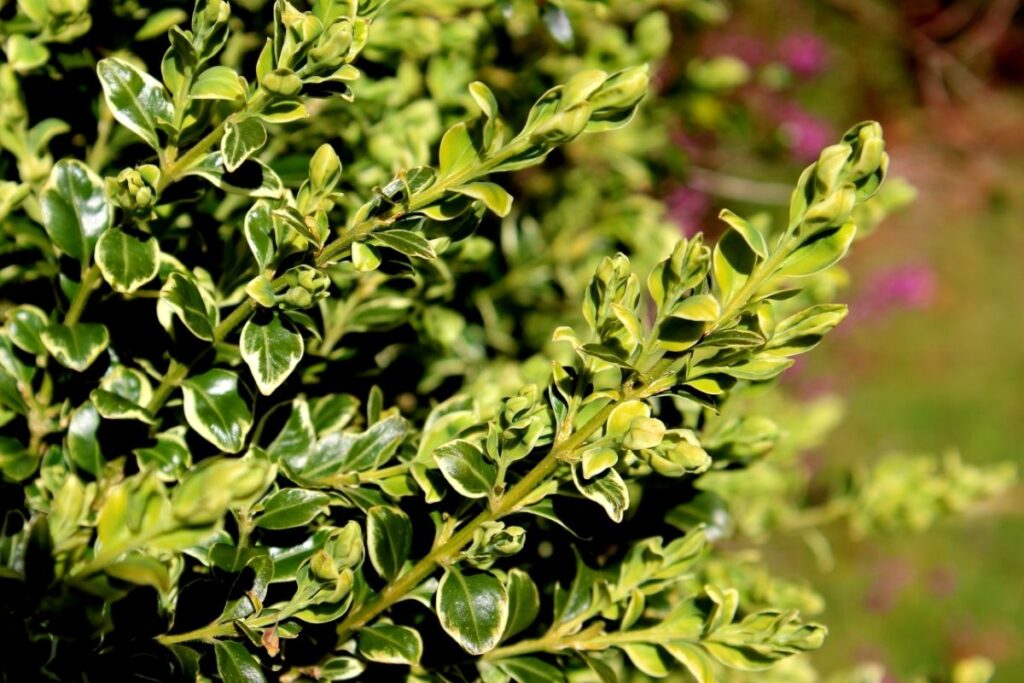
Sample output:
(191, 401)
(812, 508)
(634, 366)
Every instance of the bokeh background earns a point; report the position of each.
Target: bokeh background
(932, 355)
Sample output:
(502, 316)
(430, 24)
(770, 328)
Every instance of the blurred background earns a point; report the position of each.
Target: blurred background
(932, 355)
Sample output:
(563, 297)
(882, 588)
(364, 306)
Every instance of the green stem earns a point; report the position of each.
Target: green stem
(447, 551)
(177, 372)
(178, 167)
(89, 278)
(432, 194)
(583, 641)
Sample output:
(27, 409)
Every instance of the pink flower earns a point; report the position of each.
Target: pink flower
(805, 54)
(751, 50)
(805, 133)
(687, 207)
(910, 287)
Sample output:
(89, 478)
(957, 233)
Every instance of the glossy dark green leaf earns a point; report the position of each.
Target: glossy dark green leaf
(192, 304)
(523, 602)
(272, 349)
(138, 101)
(341, 669)
(25, 325)
(241, 140)
(75, 208)
(465, 469)
(116, 407)
(82, 445)
(388, 540)
(169, 456)
(127, 261)
(390, 644)
(235, 664)
(76, 346)
(472, 609)
(216, 411)
(291, 507)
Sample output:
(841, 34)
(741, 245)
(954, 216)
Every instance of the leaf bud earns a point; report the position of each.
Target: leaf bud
(282, 82)
(644, 432)
(833, 210)
(564, 126)
(831, 163)
(261, 291)
(622, 91)
(332, 46)
(134, 189)
(324, 169)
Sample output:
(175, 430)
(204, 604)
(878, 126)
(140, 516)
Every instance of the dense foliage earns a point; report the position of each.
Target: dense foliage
(323, 357)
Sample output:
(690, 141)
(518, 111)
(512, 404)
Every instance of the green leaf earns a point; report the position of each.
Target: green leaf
(25, 325)
(75, 209)
(82, 446)
(406, 242)
(141, 570)
(607, 490)
(241, 140)
(819, 251)
(76, 346)
(751, 235)
(530, 670)
(341, 669)
(645, 658)
(253, 179)
(115, 407)
(693, 658)
(235, 664)
(457, 152)
(216, 411)
(465, 469)
(138, 101)
(170, 456)
(388, 539)
(272, 349)
(127, 261)
(733, 261)
(523, 602)
(473, 610)
(160, 22)
(494, 196)
(700, 307)
(259, 233)
(390, 644)
(193, 305)
(346, 452)
(218, 83)
(289, 508)
(25, 54)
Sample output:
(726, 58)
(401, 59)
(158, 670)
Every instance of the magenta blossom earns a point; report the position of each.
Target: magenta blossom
(910, 287)
(753, 51)
(805, 133)
(805, 54)
(686, 207)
